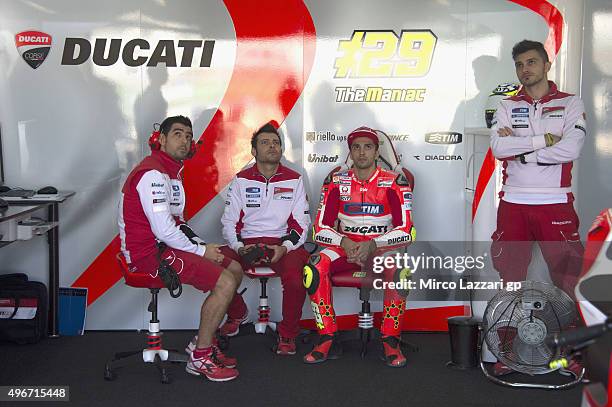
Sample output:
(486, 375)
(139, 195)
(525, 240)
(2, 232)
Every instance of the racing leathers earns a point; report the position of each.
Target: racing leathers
(378, 209)
(536, 198)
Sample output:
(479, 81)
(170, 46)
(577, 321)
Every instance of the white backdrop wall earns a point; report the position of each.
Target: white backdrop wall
(83, 127)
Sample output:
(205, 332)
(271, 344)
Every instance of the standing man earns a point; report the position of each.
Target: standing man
(266, 203)
(152, 228)
(537, 134)
(363, 212)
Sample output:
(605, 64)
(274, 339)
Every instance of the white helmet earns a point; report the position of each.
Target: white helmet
(500, 92)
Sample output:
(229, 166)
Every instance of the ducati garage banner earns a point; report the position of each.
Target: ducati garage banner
(81, 88)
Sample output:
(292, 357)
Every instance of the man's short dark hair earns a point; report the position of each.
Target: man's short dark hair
(527, 45)
(266, 128)
(166, 125)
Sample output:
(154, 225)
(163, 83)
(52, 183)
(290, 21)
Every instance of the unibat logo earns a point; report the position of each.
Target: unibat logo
(33, 46)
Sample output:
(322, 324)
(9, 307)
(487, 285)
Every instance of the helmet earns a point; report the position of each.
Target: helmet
(155, 145)
(500, 92)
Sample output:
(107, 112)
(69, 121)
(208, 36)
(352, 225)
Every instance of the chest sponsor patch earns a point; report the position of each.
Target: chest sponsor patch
(385, 182)
(520, 126)
(520, 110)
(253, 195)
(363, 209)
(283, 194)
(253, 190)
(345, 198)
(175, 188)
(407, 201)
(553, 112)
(345, 189)
(520, 115)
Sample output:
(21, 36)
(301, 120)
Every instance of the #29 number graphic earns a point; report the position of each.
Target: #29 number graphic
(382, 54)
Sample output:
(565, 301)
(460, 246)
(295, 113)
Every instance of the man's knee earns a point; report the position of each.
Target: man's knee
(315, 270)
(227, 283)
(236, 271)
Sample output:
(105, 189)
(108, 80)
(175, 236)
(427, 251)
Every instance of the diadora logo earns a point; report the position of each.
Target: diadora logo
(253, 190)
(384, 54)
(33, 46)
(443, 137)
(107, 51)
(363, 209)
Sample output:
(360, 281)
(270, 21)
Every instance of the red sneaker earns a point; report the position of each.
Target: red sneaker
(227, 361)
(393, 354)
(210, 367)
(285, 346)
(322, 351)
(231, 327)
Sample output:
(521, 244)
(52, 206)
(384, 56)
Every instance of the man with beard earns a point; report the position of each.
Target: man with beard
(152, 229)
(266, 204)
(537, 135)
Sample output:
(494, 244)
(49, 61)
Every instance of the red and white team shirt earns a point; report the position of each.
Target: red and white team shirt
(259, 207)
(544, 174)
(151, 209)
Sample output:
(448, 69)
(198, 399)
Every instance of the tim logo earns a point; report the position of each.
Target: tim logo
(33, 46)
(363, 209)
(443, 137)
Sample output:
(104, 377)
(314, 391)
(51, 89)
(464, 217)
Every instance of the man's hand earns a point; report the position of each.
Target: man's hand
(551, 139)
(244, 249)
(504, 132)
(349, 246)
(364, 250)
(279, 252)
(213, 253)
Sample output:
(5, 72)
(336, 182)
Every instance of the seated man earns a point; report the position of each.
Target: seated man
(152, 228)
(266, 203)
(363, 212)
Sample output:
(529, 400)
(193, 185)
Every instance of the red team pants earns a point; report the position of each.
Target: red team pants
(289, 269)
(554, 227)
(192, 269)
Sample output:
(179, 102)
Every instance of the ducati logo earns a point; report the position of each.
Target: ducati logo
(33, 46)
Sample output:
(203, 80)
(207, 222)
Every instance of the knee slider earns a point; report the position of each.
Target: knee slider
(311, 276)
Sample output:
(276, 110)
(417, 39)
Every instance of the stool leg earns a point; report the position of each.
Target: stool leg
(264, 309)
(366, 323)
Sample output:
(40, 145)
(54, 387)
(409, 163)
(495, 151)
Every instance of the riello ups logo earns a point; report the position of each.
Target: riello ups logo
(33, 46)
